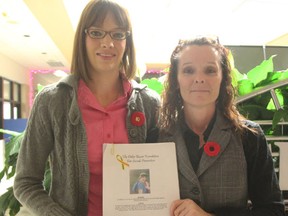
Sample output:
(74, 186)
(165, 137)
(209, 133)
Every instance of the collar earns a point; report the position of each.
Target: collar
(206, 133)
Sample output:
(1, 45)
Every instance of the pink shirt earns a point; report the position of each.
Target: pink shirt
(103, 125)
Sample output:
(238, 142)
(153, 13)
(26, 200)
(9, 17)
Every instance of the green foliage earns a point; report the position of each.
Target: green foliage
(11, 153)
(47, 178)
(260, 72)
(39, 87)
(254, 111)
(280, 115)
(261, 107)
(271, 77)
(244, 86)
(236, 75)
(8, 202)
(154, 84)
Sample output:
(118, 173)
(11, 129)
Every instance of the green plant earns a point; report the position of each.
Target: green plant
(8, 202)
(154, 84)
(261, 107)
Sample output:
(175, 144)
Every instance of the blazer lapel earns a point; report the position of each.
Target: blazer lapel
(184, 164)
(221, 134)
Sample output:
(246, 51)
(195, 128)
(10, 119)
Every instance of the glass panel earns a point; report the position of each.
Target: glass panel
(15, 92)
(15, 112)
(7, 110)
(6, 89)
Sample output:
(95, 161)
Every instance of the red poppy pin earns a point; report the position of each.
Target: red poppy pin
(212, 149)
(137, 118)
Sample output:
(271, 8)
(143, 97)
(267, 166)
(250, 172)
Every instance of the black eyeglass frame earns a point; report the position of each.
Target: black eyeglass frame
(126, 33)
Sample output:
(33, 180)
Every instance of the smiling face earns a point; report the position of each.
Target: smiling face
(199, 76)
(143, 179)
(105, 54)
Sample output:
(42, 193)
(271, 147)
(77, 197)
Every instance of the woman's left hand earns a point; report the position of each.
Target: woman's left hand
(187, 207)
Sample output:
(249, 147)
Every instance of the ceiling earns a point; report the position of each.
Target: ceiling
(39, 34)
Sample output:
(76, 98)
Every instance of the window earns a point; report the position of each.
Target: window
(10, 100)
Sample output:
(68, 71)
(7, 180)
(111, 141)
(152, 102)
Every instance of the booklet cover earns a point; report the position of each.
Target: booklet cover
(139, 179)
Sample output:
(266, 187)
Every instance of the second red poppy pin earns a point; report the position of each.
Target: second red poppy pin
(137, 118)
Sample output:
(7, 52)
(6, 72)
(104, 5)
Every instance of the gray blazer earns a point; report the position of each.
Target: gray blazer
(220, 180)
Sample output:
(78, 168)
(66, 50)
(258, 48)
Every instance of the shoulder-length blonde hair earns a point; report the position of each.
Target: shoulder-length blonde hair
(94, 13)
(172, 100)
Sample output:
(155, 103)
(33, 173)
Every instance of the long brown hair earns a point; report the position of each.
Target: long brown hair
(172, 100)
(94, 13)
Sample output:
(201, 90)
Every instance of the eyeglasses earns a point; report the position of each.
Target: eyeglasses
(99, 34)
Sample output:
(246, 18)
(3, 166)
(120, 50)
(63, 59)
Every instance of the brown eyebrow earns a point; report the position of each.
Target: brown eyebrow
(114, 29)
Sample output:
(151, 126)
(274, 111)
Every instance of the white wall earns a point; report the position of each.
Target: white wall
(248, 57)
(15, 72)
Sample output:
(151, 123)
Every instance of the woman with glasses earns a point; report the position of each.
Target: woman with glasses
(224, 163)
(69, 122)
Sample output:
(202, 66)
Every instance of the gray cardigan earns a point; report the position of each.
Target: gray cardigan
(55, 130)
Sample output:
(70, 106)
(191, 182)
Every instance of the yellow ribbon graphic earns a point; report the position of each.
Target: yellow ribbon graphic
(123, 163)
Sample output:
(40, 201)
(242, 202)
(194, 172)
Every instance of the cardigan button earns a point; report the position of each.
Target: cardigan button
(195, 191)
(133, 132)
(133, 106)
